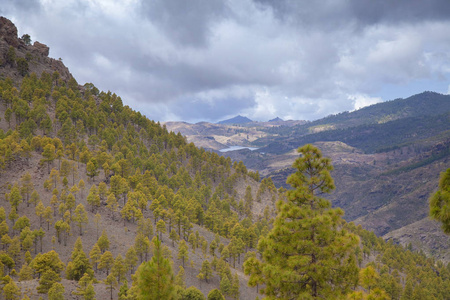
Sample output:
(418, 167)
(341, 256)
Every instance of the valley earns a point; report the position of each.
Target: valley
(387, 160)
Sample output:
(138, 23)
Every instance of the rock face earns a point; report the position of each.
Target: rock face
(37, 55)
(8, 32)
(41, 48)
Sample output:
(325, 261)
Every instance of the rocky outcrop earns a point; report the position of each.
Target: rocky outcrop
(8, 32)
(41, 48)
(37, 55)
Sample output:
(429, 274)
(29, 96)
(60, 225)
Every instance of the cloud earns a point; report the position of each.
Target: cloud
(210, 60)
(360, 101)
(185, 22)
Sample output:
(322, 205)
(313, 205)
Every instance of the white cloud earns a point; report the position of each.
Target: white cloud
(359, 101)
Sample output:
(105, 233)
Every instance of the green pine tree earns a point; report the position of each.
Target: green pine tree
(307, 254)
(79, 264)
(155, 278)
(440, 202)
(56, 292)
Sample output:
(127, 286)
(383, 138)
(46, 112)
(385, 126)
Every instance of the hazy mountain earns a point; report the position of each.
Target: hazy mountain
(236, 120)
(277, 119)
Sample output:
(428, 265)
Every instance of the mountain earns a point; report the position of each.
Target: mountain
(236, 120)
(423, 106)
(277, 119)
(387, 160)
(89, 186)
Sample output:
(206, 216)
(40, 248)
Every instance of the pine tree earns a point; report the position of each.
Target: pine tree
(225, 285)
(93, 198)
(111, 283)
(15, 198)
(56, 292)
(368, 277)
(192, 293)
(248, 200)
(40, 208)
(112, 204)
(408, 291)
(54, 177)
(2, 214)
(80, 217)
(307, 253)
(180, 278)
(205, 271)
(48, 278)
(95, 255)
(183, 252)
(215, 294)
(27, 186)
(235, 287)
(440, 202)
(11, 290)
(131, 259)
(123, 291)
(212, 248)
(83, 284)
(119, 268)
(48, 155)
(106, 262)
(174, 237)
(160, 228)
(26, 273)
(79, 264)
(155, 279)
(92, 168)
(48, 216)
(90, 292)
(4, 228)
(70, 202)
(13, 215)
(142, 245)
(103, 241)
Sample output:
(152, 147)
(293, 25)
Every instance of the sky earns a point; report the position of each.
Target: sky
(210, 60)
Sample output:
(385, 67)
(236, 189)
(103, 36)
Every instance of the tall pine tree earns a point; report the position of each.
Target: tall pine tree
(155, 277)
(440, 202)
(307, 255)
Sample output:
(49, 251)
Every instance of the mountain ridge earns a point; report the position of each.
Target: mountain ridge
(236, 120)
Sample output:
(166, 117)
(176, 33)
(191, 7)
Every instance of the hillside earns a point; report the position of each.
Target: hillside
(387, 160)
(78, 143)
(425, 104)
(89, 184)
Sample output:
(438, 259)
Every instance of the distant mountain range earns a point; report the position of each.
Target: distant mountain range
(244, 120)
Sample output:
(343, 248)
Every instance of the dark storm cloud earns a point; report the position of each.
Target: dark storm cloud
(20, 6)
(211, 59)
(185, 22)
(333, 13)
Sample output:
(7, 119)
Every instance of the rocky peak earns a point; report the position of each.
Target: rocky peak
(41, 48)
(8, 32)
